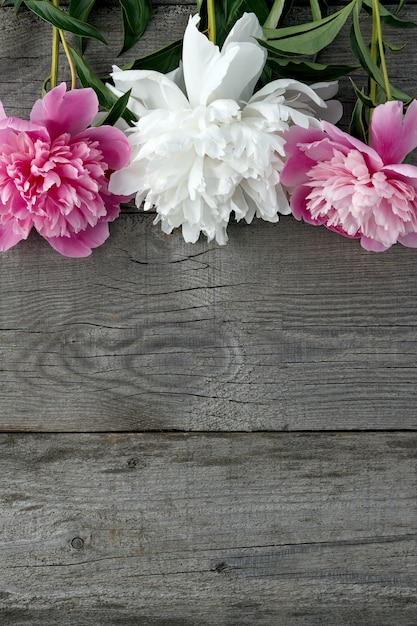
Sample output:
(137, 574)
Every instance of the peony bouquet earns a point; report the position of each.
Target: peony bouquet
(236, 121)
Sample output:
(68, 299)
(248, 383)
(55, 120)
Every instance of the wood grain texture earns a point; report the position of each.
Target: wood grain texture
(23, 68)
(153, 333)
(208, 529)
(287, 328)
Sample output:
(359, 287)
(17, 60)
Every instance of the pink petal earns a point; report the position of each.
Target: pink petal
(304, 147)
(409, 240)
(373, 159)
(8, 238)
(373, 246)
(402, 171)
(19, 125)
(113, 144)
(81, 244)
(391, 135)
(65, 112)
(297, 135)
(298, 203)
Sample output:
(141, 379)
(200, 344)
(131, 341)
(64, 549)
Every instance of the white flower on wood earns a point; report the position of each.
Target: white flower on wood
(205, 147)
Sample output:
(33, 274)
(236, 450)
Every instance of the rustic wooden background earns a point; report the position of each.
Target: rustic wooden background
(194, 435)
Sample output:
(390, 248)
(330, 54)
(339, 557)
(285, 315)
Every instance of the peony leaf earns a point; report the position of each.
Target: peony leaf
(315, 10)
(308, 71)
(393, 47)
(163, 60)
(307, 38)
(236, 8)
(117, 110)
(387, 17)
(359, 122)
(80, 9)
(136, 15)
(89, 79)
(274, 17)
(62, 20)
(227, 12)
(363, 55)
(361, 95)
(12, 3)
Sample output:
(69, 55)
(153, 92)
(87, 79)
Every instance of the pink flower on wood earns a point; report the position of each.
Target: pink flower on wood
(54, 173)
(357, 190)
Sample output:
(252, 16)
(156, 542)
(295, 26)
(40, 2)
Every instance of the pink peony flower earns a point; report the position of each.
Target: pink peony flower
(54, 173)
(355, 189)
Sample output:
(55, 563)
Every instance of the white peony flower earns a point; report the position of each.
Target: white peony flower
(205, 147)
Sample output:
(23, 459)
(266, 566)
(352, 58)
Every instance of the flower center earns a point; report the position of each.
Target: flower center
(53, 185)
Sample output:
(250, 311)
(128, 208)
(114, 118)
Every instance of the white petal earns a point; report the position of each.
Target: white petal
(125, 181)
(150, 89)
(240, 67)
(190, 232)
(200, 58)
(246, 28)
(231, 74)
(288, 88)
(326, 90)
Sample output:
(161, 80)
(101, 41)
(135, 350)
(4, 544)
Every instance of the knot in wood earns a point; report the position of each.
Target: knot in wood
(77, 543)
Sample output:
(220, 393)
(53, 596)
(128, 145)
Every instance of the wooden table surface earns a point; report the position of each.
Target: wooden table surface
(195, 435)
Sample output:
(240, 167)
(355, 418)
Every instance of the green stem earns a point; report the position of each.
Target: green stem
(275, 14)
(211, 17)
(377, 46)
(53, 80)
(70, 60)
(382, 54)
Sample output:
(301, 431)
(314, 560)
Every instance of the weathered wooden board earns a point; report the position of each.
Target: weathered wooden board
(208, 529)
(153, 333)
(287, 328)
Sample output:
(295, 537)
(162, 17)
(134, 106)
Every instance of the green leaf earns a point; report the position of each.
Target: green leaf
(362, 53)
(361, 95)
(315, 10)
(358, 126)
(80, 9)
(62, 20)
(116, 111)
(163, 60)
(308, 71)
(308, 38)
(136, 15)
(88, 78)
(227, 12)
(274, 16)
(387, 17)
(236, 8)
(394, 48)
(12, 3)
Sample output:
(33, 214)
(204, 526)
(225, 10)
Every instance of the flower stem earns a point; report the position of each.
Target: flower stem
(69, 59)
(377, 46)
(274, 14)
(211, 17)
(53, 80)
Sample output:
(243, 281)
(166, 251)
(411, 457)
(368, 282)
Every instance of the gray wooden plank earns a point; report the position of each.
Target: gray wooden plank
(153, 333)
(208, 529)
